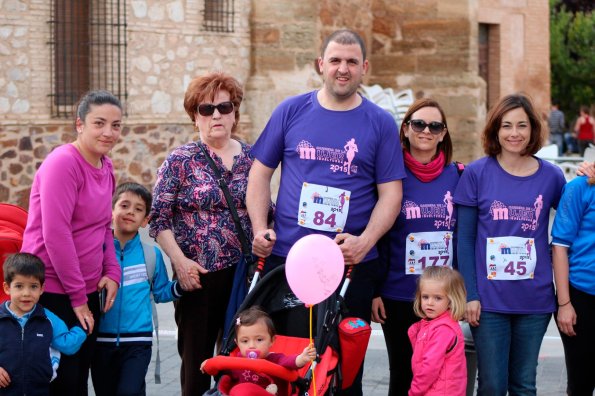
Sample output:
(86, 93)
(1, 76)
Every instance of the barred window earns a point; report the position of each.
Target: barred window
(218, 16)
(87, 50)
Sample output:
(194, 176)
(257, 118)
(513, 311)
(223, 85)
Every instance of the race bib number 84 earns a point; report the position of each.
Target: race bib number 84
(323, 208)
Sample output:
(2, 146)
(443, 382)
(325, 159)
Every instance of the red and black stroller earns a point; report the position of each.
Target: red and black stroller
(335, 337)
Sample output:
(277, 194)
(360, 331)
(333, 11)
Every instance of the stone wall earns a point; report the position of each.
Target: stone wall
(429, 46)
(166, 49)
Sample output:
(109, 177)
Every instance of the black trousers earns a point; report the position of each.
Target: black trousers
(580, 349)
(200, 317)
(73, 372)
(120, 370)
(399, 317)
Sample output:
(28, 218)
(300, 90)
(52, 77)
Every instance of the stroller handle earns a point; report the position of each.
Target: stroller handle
(259, 267)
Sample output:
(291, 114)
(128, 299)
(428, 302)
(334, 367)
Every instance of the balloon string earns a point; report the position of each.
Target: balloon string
(312, 343)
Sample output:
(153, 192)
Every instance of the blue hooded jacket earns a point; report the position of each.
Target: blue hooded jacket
(130, 319)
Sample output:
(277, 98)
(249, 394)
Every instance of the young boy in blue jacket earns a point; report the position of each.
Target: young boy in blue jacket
(125, 337)
(31, 337)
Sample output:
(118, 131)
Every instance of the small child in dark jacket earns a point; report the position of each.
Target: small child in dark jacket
(125, 338)
(32, 336)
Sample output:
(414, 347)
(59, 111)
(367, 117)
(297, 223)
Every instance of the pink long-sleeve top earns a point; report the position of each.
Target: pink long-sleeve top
(438, 362)
(69, 223)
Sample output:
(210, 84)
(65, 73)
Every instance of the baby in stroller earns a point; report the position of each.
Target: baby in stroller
(255, 334)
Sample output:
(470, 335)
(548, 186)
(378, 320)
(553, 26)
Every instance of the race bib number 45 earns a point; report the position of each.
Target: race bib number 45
(323, 208)
(510, 258)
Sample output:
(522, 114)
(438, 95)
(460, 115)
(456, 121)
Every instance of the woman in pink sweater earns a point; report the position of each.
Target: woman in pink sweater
(438, 363)
(69, 228)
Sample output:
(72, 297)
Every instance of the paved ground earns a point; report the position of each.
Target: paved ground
(551, 375)
(551, 372)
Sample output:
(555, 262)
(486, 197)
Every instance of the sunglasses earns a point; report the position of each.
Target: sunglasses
(419, 126)
(206, 110)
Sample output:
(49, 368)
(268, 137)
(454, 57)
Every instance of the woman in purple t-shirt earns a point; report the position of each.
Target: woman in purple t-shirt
(422, 234)
(69, 228)
(504, 201)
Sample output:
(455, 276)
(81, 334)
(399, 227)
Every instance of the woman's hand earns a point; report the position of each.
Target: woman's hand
(378, 313)
(566, 319)
(188, 273)
(85, 317)
(473, 313)
(112, 289)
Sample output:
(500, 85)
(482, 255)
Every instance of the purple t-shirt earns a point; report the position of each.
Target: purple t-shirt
(512, 258)
(350, 150)
(69, 223)
(423, 234)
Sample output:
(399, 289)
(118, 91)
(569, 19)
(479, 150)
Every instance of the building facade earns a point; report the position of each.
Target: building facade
(464, 53)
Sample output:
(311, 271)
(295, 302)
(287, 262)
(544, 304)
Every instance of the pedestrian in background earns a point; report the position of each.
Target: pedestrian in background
(557, 126)
(584, 128)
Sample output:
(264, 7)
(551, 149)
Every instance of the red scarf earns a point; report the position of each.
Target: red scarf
(424, 172)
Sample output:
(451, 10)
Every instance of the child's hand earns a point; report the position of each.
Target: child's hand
(4, 378)
(306, 356)
(202, 365)
(193, 274)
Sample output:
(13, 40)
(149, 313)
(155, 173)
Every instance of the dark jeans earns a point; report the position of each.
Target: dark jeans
(200, 316)
(358, 299)
(120, 370)
(507, 348)
(73, 373)
(580, 349)
(399, 317)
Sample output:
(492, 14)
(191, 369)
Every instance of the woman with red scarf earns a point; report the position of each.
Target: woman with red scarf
(422, 236)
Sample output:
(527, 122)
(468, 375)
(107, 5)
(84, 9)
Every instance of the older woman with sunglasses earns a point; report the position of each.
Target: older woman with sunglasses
(192, 222)
(422, 236)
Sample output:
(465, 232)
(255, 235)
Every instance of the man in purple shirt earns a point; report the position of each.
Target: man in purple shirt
(341, 174)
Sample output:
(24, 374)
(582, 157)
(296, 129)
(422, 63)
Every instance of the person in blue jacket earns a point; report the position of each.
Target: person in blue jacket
(573, 253)
(32, 336)
(125, 337)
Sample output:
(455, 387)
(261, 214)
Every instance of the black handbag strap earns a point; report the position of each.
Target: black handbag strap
(246, 250)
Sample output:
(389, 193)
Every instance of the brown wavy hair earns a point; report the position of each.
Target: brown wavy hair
(491, 144)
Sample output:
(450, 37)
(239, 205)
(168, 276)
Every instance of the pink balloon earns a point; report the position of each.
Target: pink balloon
(314, 268)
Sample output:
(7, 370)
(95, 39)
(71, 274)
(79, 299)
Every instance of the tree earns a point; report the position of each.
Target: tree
(572, 39)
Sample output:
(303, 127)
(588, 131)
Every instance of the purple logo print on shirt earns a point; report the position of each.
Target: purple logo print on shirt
(336, 203)
(441, 212)
(341, 159)
(528, 215)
